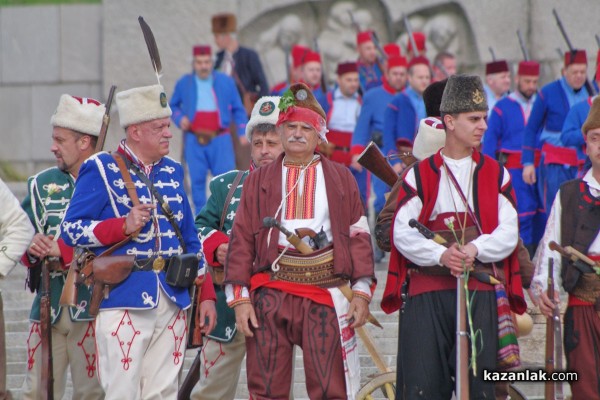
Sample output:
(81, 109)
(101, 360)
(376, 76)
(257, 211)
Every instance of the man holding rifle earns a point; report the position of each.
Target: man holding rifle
(282, 295)
(574, 223)
(134, 200)
(460, 184)
(75, 128)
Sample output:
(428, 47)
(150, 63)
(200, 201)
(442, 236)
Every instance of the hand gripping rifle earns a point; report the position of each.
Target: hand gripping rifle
(552, 390)
(572, 50)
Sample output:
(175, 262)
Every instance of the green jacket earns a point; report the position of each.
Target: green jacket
(208, 222)
(49, 194)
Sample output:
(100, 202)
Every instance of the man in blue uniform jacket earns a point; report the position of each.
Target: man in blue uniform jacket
(205, 103)
(141, 327)
(558, 162)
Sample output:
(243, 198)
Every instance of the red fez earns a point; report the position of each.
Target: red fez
(575, 57)
(312, 56)
(344, 68)
(392, 50)
(418, 60)
(299, 54)
(202, 50)
(529, 68)
(362, 37)
(396, 62)
(419, 41)
(598, 66)
(495, 67)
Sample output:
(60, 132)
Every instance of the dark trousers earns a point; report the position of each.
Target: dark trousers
(582, 349)
(285, 320)
(427, 345)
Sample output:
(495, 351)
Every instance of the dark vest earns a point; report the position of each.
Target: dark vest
(579, 221)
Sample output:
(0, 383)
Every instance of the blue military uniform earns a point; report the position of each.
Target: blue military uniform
(369, 126)
(96, 215)
(217, 155)
(503, 140)
(558, 163)
(401, 120)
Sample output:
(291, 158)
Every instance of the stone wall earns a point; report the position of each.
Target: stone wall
(83, 49)
(45, 51)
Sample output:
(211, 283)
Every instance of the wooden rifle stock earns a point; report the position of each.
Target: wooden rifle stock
(374, 161)
(462, 342)
(191, 379)
(549, 386)
(47, 392)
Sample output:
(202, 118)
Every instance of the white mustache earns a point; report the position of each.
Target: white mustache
(300, 140)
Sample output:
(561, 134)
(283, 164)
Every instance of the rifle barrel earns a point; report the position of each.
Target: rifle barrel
(105, 120)
(562, 29)
(523, 47)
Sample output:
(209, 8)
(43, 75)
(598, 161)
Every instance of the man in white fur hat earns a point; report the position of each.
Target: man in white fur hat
(141, 326)
(225, 347)
(75, 128)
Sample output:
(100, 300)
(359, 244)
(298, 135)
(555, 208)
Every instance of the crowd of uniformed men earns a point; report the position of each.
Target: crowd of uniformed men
(288, 261)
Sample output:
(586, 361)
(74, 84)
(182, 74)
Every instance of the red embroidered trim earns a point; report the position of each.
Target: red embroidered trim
(301, 206)
(123, 344)
(34, 333)
(90, 358)
(179, 330)
(208, 364)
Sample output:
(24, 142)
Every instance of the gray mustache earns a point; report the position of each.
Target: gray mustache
(300, 140)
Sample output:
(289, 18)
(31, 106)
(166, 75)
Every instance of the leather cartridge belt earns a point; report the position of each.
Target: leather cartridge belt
(314, 269)
(151, 264)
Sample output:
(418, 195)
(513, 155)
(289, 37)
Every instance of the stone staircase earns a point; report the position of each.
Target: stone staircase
(17, 302)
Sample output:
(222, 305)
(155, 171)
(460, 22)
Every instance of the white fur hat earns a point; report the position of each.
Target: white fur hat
(431, 137)
(265, 111)
(79, 114)
(142, 104)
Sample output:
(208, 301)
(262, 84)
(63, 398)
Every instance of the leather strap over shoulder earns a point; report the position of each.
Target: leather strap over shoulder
(234, 186)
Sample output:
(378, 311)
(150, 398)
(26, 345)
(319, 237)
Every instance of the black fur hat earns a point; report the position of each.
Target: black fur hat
(463, 93)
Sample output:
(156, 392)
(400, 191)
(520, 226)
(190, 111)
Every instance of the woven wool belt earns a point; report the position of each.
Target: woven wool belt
(313, 269)
(588, 288)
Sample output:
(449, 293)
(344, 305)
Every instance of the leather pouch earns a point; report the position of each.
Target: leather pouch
(182, 270)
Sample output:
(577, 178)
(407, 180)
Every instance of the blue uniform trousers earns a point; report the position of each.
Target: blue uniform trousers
(216, 156)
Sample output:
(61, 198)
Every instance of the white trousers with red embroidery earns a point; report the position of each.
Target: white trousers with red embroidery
(140, 352)
(73, 348)
(220, 369)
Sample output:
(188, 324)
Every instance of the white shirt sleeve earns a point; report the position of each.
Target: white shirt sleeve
(502, 241)
(539, 282)
(16, 230)
(412, 244)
